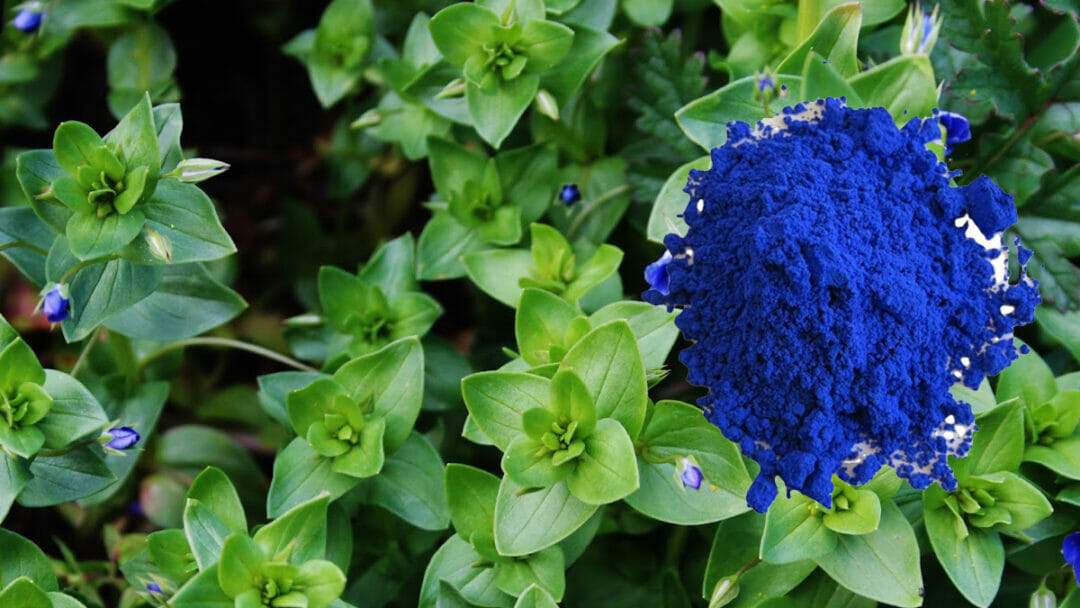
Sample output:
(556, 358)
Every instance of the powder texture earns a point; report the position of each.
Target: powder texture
(833, 299)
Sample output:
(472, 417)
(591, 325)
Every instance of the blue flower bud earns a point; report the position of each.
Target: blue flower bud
(29, 19)
(691, 475)
(570, 194)
(1071, 549)
(154, 588)
(765, 82)
(957, 129)
(657, 273)
(123, 438)
(55, 304)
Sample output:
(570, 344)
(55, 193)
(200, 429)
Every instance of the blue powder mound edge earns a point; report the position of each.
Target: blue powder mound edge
(833, 298)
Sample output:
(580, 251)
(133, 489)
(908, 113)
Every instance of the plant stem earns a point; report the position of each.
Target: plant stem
(85, 353)
(24, 245)
(227, 343)
(68, 449)
(597, 202)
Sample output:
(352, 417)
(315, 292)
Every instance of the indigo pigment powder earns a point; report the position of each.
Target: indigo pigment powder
(835, 288)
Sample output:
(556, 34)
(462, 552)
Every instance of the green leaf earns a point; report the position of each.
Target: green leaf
(496, 108)
(545, 569)
(184, 215)
(22, 593)
(22, 558)
(610, 472)
(1029, 378)
(14, 475)
(648, 13)
(835, 38)
(545, 43)
(1022, 499)
(341, 40)
(471, 495)
(301, 474)
(395, 373)
(170, 552)
(410, 485)
(449, 597)
(736, 544)
(862, 517)
(1063, 327)
(136, 137)
(74, 412)
(820, 80)
(442, 244)
(460, 30)
(19, 364)
(795, 532)
(91, 237)
(542, 322)
(974, 563)
(392, 267)
(653, 327)
(535, 597)
(274, 388)
(998, 445)
(883, 565)
(904, 86)
(981, 401)
(456, 563)
(100, 290)
(213, 489)
(704, 120)
(241, 565)
(526, 462)
(74, 145)
(452, 165)
(322, 582)
(588, 48)
(301, 531)
(142, 59)
(169, 122)
(523, 175)
(497, 272)
(64, 478)
(22, 224)
(608, 361)
(205, 531)
(497, 401)
(36, 171)
(363, 460)
(202, 591)
(187, 302)
(527, 522)
(671, 203)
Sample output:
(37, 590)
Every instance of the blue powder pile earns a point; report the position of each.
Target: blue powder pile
(833, 297)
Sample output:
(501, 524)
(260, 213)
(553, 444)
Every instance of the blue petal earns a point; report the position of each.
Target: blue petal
(657, 273)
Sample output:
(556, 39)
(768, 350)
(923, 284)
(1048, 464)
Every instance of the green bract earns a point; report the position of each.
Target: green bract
(106, 180)
(552, 264)
(42, 413)
(501, 58)
(340, 425)
(368, 310)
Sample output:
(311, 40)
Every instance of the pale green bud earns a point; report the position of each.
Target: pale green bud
(367, 119)
(194, 170)
(546, 105)
(159, 245)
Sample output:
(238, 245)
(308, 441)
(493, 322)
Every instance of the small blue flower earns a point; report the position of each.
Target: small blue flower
(570, 194)
(123, 438)
(657, 274)
(765, 82)
(927, 29)
(154, 588)
(691, 475)
(29, 19)
(55, 305)
(1071, 549)
(957, 129)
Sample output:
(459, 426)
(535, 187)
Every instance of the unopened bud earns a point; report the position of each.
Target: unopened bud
(367, 119)
(159, 245)
(195, 170)
(546, 105)
(726, 590)
(456, 88)
(1043, 598)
